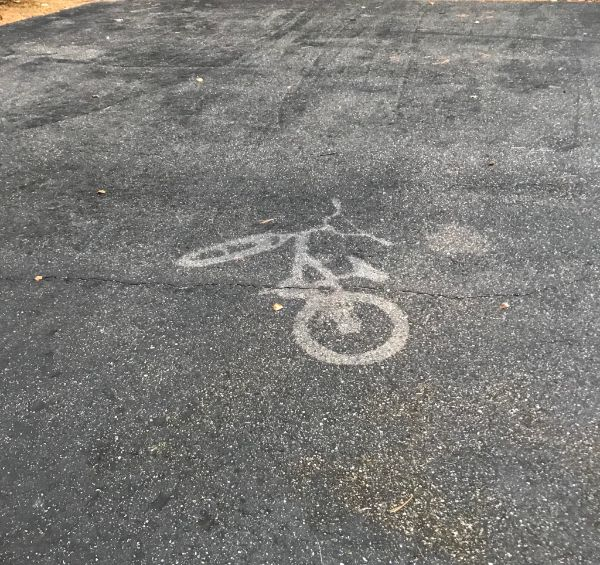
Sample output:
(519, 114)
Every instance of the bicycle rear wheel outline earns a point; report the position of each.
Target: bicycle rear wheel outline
(394, 344)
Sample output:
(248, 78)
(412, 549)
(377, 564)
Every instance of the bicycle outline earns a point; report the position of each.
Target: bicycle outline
(324, 297)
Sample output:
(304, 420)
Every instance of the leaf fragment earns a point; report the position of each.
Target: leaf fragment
(277, 307)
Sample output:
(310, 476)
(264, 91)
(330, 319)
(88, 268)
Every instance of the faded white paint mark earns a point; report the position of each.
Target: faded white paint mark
(325, 297)
(233, 250)
(452, 239)
(340, 308)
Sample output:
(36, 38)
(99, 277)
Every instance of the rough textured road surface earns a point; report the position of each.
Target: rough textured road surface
(429, 391)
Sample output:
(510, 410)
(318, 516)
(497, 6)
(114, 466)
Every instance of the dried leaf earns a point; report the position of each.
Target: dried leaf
(277, 307)
(38, 278)
(101, 192)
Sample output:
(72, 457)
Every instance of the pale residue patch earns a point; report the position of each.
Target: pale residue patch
(453, 239)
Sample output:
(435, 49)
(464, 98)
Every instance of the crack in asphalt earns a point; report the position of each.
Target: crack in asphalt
(275, 288)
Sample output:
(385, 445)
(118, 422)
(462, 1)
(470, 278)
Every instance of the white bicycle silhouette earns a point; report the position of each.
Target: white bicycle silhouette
(325, 299)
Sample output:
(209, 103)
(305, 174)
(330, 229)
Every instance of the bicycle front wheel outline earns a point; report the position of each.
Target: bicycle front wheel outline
(394, 344)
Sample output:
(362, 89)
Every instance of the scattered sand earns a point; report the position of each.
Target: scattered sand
(15, 10)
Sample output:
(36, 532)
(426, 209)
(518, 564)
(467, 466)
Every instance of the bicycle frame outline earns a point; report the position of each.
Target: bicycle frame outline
(326, 296)
(302, 257)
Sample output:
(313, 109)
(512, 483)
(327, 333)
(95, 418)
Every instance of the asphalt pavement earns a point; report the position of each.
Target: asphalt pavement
(317, 283)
